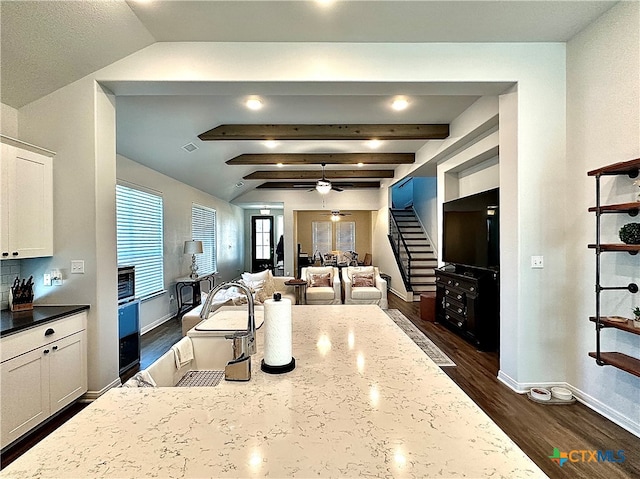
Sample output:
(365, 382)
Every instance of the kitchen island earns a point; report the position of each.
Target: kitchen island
(363, 400)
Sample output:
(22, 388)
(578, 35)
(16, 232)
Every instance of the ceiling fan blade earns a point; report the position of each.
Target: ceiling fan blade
(335, 188)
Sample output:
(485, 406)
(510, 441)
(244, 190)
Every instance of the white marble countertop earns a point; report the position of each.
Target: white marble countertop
(363, 400)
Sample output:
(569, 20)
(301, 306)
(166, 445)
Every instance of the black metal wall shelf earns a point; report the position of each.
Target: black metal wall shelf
(619, 360)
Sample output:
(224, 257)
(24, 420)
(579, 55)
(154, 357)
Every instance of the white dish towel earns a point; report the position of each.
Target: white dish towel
(183, 352)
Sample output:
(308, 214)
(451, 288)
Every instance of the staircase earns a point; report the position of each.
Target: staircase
(414, 252)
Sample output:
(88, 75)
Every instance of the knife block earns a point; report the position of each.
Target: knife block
(22, 306)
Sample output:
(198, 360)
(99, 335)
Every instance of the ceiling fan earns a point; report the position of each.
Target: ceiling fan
(324, 186)
(336, 214)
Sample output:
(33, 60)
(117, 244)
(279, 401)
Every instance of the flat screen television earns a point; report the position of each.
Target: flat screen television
(470, 232)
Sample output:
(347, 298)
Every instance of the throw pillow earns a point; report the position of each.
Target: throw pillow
(255, 281)
(363, 280)
(316, 280)
(267, 290)
(360, 270)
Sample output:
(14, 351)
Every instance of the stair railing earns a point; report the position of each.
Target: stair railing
(400, 251)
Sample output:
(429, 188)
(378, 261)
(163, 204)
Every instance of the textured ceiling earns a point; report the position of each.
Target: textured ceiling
(46, 45)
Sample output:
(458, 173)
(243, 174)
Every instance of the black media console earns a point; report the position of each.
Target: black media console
(468, 302)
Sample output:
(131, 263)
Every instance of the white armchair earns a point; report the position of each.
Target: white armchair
(323, 293)
(359, 292)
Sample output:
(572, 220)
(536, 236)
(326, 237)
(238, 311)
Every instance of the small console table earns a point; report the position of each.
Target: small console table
(300, 286)
(194, 284)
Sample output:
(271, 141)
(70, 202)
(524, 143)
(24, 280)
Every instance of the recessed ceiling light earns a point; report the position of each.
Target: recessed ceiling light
(239, 184)
(254, 103)
(400, 104)
(271, 143)
(373, 144)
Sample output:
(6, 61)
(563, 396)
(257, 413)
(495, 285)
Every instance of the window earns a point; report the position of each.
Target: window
(321, 236)
(262, 237)
(203, 228)
(346, 236)
(139, 229)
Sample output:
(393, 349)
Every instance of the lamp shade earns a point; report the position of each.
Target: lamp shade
(192, 247)
(323, 187)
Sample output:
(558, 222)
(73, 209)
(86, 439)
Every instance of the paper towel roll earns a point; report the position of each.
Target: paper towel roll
(277, 334)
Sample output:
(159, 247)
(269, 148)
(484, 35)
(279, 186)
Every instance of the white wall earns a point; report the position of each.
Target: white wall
(8, 121)
(603, 127)
(177, 201)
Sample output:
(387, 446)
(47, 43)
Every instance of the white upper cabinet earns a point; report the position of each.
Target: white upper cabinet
(26, 203)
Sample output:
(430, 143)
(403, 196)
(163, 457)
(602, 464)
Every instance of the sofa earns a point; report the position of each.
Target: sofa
(261, 283)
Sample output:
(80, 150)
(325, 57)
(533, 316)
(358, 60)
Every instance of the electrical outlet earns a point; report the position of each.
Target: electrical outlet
(537, 262)
(77, 266)
(47, 279)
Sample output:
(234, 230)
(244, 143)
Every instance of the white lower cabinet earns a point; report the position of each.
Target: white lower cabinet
(41, 381)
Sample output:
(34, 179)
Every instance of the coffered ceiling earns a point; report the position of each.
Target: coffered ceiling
(48, 44)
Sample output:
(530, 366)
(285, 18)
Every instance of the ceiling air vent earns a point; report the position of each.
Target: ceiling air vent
(189, 147)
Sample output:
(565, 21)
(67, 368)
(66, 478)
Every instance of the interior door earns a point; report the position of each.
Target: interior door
(262, 248)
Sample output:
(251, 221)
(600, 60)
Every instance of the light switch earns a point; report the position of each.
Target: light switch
(77, 266)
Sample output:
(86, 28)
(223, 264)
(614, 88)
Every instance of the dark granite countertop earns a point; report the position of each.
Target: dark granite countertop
(14, 321)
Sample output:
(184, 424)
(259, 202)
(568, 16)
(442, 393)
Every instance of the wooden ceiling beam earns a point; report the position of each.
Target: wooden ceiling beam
(290, 185)
(315, 175)
(327, 132)
(326, 158)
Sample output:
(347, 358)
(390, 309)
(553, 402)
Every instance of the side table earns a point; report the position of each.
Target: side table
(194, 284)
(300, 286)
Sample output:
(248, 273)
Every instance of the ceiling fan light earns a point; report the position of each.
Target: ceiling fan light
(323, 187)
(335, 217)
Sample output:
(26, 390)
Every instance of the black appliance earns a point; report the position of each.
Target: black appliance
(126, 284)
(128, 319)
(471, 230)
(129, 334)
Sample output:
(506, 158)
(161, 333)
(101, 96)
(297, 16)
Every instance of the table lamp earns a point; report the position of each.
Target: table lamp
(193, 247)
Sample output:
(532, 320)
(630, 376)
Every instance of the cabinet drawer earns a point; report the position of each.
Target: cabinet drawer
(455, 295)
(24, 341)
(456, 319)
(455, 307)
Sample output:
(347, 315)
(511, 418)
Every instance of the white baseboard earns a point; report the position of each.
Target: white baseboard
(406, 296)
(589, 401)
(157, 323)
(91, 396)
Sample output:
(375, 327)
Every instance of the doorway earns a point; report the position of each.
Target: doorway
(262, 248)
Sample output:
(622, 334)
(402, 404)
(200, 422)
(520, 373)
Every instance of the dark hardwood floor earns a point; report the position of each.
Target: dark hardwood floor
(536, 428)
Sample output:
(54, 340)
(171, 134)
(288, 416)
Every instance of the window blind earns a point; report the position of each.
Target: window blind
(139, 237)
(346, 236)
(321, 236)
(203, 228)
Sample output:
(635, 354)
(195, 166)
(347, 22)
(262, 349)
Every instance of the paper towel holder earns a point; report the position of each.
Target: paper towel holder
(285, 368)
